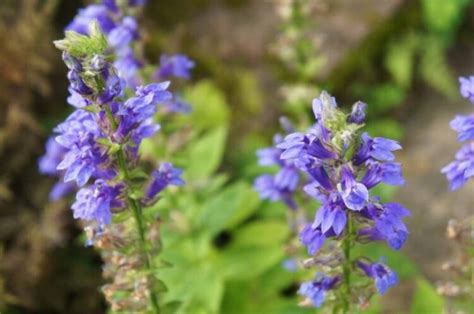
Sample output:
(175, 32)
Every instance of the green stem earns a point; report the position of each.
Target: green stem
(347, 266)
(137, 213)
(138, 216)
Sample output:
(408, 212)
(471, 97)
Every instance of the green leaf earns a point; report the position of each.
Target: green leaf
(158, 286)
(245, 263)
(171, 307)
(400, 59)
(200, 289)
(435, 69)
(210, 109)
(426, 300)
(205, 154)
(261, 233)
(443, 16)
(229, 208)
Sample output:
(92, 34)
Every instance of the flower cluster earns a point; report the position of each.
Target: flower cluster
(116, 20)
(461, 169)
(335, 165)
(96, 149)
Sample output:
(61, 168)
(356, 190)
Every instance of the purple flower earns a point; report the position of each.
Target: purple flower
(78, 135)
(354, 194)
(268, 156)
(383, 276)
(96, 201)
(378, 148)
(464, 125)
(137, 2)
(290, 264)
(177, 104)
(121, 36)
(313, 238)
(466, 87)
(388, 224)
(175, 65)
(388, 173)
(60, 190)
(266, 186)
(461, 169)
(127, 66)
(287, 178)
(303, 150)
(111, 5)
(71, 62)
(52, 157)
(86, 16)
(161, 178)
(316, 289)
(77, 84)
(331, 215)
(113, 88)
(77, 100)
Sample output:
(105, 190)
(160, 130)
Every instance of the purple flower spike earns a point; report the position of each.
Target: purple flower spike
(462, 169)
(338, 167)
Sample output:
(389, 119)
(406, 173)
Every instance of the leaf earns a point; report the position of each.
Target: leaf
(158, 286)
(435, 70)
(210, 109)
(171, 307)
(199, 288)
(443, 16)
(245, 263)
(426, 300)
(261, 233)
(228, 209)
(205, 154)
(400, 59)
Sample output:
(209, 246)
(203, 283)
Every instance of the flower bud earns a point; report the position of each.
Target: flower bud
(358, 113)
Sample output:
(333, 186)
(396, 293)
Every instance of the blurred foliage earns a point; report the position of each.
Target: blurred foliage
(411, 46)
(214, 228)
(426, 300)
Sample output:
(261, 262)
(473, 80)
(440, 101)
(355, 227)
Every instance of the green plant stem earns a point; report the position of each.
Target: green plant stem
(347, 266)
(138, 216)
(137, 213)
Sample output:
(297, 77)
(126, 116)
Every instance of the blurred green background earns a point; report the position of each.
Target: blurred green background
(254, 64)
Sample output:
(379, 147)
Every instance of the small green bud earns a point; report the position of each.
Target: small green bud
(83, 46)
